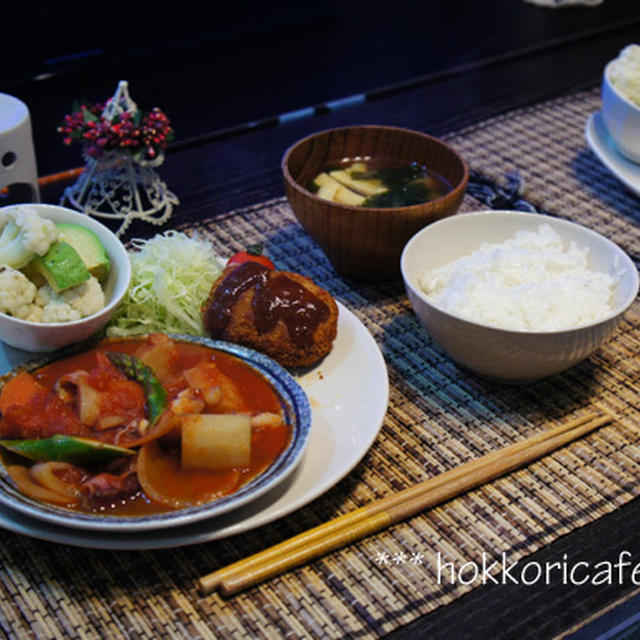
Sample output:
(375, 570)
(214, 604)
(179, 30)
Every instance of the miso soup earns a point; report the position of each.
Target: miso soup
(378, 182)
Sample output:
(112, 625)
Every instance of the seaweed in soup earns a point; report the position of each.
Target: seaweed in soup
(379, 183)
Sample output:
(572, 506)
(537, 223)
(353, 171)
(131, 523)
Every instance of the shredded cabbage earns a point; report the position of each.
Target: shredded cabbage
(172, 274)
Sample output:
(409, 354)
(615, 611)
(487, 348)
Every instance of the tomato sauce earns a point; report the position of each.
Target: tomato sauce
(171, 486)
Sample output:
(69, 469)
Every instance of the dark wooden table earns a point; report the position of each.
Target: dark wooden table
(230, 142)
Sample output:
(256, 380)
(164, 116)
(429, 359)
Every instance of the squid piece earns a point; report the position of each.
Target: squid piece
(32, 488)
(102, 397)
(220, 390)
(76, 385)
(189, 400)
(61, 477)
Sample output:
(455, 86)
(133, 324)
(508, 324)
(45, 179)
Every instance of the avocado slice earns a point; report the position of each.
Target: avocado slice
(88, 246)
(62, 267)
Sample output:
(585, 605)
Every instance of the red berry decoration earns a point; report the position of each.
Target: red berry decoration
(143, 134)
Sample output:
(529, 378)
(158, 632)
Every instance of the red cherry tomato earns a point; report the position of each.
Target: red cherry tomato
(252, 253)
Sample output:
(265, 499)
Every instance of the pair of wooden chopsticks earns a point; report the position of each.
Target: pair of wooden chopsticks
(395, 508)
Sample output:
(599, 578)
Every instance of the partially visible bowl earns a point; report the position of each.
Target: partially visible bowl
(504, 354)
(364, 242)
(296, 412)
(621, 116)
(45, 337)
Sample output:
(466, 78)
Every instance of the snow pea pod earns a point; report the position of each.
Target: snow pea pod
(62, 448)
(136, 370)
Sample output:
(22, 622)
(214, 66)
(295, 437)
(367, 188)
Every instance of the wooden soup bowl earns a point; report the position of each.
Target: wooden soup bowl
(365, 243)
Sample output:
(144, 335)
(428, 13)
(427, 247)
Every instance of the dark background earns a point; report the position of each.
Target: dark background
(218, 67)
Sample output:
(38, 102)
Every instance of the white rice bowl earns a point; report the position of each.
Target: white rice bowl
(557, 309)
(624, 73)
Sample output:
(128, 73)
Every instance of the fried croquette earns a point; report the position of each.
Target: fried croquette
(280, 313)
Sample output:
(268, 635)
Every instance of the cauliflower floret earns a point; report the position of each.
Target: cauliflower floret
(16, 291)
(30, 312)
(57, 311)
(54, 308)
(21, 298)
(72, 304)
(44, 295)
(87, 297)
(24, 233)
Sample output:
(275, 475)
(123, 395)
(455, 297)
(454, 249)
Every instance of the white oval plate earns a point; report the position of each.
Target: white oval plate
(349, 394)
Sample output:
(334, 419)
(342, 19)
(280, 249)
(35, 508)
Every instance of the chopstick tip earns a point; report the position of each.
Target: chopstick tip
(207, 584)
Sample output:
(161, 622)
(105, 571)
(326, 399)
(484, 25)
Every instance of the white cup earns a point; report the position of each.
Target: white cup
(18, 172)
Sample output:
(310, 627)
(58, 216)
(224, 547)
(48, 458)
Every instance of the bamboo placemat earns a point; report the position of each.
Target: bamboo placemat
(439, 416)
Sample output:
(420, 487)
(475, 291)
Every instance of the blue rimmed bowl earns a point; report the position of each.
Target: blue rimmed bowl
(296, 411)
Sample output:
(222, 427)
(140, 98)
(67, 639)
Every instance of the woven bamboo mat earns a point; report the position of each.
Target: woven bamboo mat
(438, 417)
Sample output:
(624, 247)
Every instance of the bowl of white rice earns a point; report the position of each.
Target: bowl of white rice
(621, 101)
(517, 296)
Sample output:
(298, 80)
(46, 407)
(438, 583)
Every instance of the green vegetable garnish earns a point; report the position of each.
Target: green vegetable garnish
(172, 275)
(412, 193)
(135, 369)
(61, 448)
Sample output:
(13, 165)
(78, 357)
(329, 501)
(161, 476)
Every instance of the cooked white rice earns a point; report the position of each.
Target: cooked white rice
(529, 282)
(624, 73)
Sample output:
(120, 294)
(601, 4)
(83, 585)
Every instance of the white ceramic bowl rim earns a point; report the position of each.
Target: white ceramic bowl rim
(115, 297)
(615, 90)
(620, 308)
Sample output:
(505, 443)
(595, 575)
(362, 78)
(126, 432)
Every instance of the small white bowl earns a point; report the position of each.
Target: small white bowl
(502, 354)
(45, 337)
(621, 118)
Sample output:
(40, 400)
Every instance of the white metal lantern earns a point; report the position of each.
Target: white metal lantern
(119, 185)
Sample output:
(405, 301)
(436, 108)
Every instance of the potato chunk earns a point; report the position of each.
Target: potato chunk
(162, 357)
(216, 441)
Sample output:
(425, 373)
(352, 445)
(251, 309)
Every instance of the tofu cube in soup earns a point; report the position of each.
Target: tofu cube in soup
(216, 441)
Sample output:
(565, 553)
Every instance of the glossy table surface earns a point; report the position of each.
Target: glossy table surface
(236, 107)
